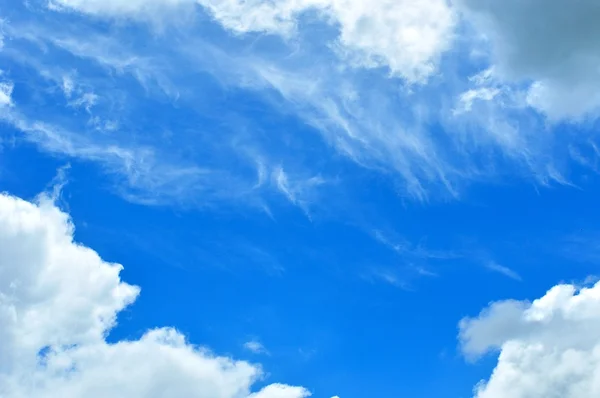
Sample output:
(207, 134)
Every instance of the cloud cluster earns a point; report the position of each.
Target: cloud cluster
(551, 45)
(371, 117)
(59, 299)
(431, 139)
(548, 348)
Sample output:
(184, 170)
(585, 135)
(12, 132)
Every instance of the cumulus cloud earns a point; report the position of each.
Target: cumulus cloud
(59, 299)
(406, 36)
(552, 44)
(548, 348)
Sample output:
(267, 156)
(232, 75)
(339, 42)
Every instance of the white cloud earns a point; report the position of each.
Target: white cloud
(553, 43)
(467, 98)
(361, 120)
(256, 347)
(85, 99)
(6, 89)
(493, 266)
(410, 250)
(151, 172)
(413, 136)
(406, 36)
(280, 391)
(142, 174)
(299, 191)
(548, 348)
(68, 85)
(59, 299)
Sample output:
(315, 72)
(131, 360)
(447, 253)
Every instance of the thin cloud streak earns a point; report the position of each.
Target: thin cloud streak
(407, 133)
(493, 266)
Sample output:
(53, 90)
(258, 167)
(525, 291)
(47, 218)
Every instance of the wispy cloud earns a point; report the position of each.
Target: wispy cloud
(361, 120)
(495, 267)
(297, 191)
(147, 166)
(581, 246)
(410, 250)
(256, 347)
(426, 272)
(400, 277)
(141, 175)
(414, 261)
(411, 133)
(6, 89)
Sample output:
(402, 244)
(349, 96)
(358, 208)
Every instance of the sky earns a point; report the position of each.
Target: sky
(299, 198)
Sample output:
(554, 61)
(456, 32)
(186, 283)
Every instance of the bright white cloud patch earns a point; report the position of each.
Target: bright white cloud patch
(553, 43)
(58, 299)
(407, 36)
(549, 348)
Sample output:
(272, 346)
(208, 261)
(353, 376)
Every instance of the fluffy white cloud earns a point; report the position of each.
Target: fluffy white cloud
(548, 348)
(553, 43)
(59, 299)
(406, 36)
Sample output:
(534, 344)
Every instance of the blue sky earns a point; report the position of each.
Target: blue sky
(361, 200)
